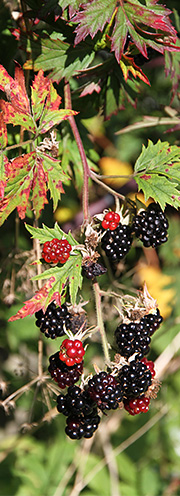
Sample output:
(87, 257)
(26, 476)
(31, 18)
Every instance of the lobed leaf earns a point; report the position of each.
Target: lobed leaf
(39, 301)
(157, 173)
(69, 274)
(48, 233)
(132, 16)
(29, 177)
(60, 58)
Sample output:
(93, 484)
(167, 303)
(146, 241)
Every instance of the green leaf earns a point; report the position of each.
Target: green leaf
(48, 233)
(160, 189)
(70, 272)
(158, 173)
(61, 58)
(55, 177)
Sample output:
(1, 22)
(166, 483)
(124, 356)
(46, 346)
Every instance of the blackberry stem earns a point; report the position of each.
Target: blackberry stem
(94, 177)
(39, 270)
(100, 323)
(86, 170)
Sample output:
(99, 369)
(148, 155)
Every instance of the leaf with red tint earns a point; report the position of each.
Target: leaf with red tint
(45, 102)
(12, 116)
(3, 174)
(19, 98)
(20, 180)
(55, 177)
(3, 132)
(90, 88)
(38, 301)
(128, 65)
(130, 16)
(51, 118)
(39, 92)
(5, 79)
(34, 173)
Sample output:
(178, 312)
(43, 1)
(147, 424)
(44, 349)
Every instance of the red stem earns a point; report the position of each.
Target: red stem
(86, 171)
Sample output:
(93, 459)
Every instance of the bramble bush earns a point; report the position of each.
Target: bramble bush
(105, 246)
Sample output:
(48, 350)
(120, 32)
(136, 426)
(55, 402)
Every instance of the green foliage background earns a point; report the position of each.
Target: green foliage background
(136, 456)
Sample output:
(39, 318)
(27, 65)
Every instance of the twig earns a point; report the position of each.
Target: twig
(110, 459)
(100, 322)
(86, 170)
(105, 186)
(79, 481)
(162, 362)
(125, 444)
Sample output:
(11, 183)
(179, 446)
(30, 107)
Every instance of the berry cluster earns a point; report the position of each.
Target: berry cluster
(105, 391)
(117, 243)
(56, 250)
(81, 413)
(54, 321)
(134, 337)
(71, 352)
(151, 225)
(63, 374)
(137, 405)
(111, 221)
(135, 379)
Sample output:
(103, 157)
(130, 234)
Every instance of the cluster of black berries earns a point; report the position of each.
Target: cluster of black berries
(135, 337)
(53, 322)
(81, 412)
(136, 377)
(117, 243)
(150, 226)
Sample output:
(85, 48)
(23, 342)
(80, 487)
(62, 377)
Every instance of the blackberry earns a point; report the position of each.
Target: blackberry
(105, 391)
(150, 365)
(76, 402)
(151, 322)
(150, 226)
(52, 322)
(117, 243)
(82, 426)
(133, 338)
(64, 376)
(137, 405)
(81, 411)
(134, 379)
(92, 270)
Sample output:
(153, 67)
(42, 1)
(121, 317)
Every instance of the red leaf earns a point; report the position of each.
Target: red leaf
(3, 132)
(12, 116)
(19, 98)
(38, 301)
(5, 79)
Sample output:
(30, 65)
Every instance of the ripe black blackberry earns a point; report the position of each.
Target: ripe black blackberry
(92, 270)
(76, 402)
(150, 226)
(133, 338)
(82, 426)
(105, 391)
(52, 322)
(117, 243)
(151, 322)
(134, 379)
(64, 375)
